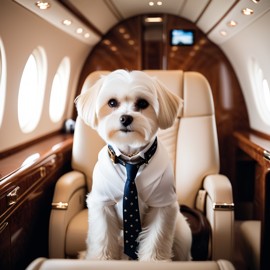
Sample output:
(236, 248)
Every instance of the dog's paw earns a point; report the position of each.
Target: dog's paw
(82, 255)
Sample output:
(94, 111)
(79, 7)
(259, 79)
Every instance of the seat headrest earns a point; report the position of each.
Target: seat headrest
(198, 100)
(92, 78)
(192, 87)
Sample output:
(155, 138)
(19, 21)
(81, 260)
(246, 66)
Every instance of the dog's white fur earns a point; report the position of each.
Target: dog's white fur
(165, 233)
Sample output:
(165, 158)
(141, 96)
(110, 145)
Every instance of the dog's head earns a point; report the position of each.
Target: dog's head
(127, 108)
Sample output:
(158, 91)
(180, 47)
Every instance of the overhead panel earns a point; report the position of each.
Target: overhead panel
(97, 12)
(215, 10)
(56, 14)
(129, 8)
(192, 9)
(225, 30)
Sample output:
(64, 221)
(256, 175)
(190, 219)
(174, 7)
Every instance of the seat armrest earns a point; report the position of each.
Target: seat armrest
(220, 214)
(219, 189)
(69, 198)
(66, 186)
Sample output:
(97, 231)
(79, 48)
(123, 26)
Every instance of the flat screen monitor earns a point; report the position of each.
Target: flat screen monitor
(182, 37)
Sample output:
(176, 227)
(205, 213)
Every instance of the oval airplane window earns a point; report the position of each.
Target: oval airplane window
(2, 81)
(31, 91)
(262, 89)
(266, 94)
(59, 91)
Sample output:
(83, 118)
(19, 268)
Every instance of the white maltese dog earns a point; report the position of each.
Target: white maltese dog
(127, 109)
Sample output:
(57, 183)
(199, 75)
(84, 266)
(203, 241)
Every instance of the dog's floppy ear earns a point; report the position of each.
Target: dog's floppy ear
(169, 105)
(86, 104)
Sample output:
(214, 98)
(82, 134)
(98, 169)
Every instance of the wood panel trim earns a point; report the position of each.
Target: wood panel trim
(260, 134)
(20, 147)
(53, 154)
(30, 210)
(253, 144)
(42, 170)
(14, 163)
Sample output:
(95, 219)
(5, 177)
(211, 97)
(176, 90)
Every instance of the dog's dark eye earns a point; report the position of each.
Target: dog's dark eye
(141, 104)
(113, 103)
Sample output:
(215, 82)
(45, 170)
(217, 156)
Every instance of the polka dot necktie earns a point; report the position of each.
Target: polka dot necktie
(131, 213)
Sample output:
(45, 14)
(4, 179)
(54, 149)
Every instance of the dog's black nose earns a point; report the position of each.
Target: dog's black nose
(126, 120)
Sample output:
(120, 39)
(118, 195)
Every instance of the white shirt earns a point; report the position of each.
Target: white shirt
(154, 181)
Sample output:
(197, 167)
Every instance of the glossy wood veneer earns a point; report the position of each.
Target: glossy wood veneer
(257, 148)
(24, 224)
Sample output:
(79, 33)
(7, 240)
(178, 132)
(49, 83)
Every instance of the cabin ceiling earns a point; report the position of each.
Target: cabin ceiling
(117, 10)
(96, 17)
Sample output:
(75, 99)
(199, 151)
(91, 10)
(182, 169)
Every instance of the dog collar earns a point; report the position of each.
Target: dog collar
(147, 155)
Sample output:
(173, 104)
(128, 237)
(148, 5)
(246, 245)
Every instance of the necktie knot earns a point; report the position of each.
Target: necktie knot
(131, 170)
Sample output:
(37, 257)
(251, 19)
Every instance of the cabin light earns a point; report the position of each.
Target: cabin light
(43, 5)
(153, 19)
(107, 42)
(223, 33)
(151, 3)
(126, 36)
(86, 35)
(79, 30)
(114, 48)
(247, 11)
(202, 41)
(67, 22)
(255, 1)
(122, 30)
(232, 23)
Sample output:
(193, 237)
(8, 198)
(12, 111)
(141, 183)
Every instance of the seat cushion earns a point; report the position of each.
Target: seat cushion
(52, 264)
(76, 234)
(250, 235)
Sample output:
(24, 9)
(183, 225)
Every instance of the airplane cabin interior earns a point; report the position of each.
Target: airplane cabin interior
(214, 54)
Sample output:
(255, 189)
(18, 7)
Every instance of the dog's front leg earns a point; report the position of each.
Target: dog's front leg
(103, 232)
(156, 238)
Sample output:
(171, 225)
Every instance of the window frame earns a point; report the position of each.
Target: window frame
(59, 91)
(31, 100)
(259, 86)
(3, 78)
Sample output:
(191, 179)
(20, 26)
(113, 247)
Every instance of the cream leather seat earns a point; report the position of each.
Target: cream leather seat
(193, 147)
(53, 264)
(248, 235)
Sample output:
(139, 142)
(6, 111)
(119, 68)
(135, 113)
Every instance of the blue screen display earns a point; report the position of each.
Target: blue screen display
(181, 37)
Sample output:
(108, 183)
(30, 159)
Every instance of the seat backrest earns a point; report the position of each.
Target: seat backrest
(86, 143)
(191, 142)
